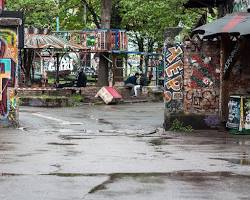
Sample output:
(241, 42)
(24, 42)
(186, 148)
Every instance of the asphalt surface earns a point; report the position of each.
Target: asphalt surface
(118, 152)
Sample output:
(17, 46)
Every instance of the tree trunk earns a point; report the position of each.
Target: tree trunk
(106, 9)
(140, 42)
(27, 62)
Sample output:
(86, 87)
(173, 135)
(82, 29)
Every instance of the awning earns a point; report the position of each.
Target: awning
(234, 24)
(203, 3)
(43, 41)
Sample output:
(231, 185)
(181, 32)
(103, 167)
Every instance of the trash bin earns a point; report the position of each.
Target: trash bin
(239, 114)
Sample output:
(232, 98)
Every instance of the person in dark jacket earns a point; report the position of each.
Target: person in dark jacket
(131, 82)
(82, 79)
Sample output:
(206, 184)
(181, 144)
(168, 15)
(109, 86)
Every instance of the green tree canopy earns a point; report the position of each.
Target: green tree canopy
(38, 13)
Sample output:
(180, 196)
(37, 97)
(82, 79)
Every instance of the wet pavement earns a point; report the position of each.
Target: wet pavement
(118, 152)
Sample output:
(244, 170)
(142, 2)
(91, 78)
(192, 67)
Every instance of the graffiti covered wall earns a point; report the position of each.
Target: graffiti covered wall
(8, 76)
(202, 79)
(173, 92)
(240, 5)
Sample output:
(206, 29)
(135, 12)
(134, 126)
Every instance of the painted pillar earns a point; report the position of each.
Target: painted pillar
(174, 79)
(9, 64)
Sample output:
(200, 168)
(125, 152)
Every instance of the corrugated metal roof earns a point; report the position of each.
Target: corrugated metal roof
(43, 41)
(236, 24)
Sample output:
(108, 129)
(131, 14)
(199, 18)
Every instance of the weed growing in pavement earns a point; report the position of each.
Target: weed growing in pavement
(178, 126)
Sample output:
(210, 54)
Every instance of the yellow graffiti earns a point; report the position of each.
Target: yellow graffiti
(175, 52)
(9, 36)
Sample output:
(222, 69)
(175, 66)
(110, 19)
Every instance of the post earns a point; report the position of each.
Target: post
(57, 19)
(225, 48)
(57, 68)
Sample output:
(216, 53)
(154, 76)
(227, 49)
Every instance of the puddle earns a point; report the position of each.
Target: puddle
(103, 121)
(61, 144)
(158, 142)
(235, 161)
(74, 137)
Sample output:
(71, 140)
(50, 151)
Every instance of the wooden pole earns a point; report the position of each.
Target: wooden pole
(225, 48)
(57, 68)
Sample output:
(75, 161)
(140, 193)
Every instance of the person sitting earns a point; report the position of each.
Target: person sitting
(143, 80)
(131, 82)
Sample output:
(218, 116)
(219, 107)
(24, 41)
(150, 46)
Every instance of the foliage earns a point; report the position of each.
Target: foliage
(178, 126)
(38, 13)
(75, 16)
(151, 18)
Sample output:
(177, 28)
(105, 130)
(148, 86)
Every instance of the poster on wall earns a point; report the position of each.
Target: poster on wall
(234, 112)
(247, 113)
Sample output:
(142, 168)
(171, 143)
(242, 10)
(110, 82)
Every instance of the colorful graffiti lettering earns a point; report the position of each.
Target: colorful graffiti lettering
(8, 75)
(174, 79)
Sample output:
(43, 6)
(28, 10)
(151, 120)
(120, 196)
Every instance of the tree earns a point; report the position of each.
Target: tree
(38, 13)
(149, 19)
(103, 73)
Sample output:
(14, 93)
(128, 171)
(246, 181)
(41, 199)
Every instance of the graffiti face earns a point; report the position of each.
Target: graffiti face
(174, 79)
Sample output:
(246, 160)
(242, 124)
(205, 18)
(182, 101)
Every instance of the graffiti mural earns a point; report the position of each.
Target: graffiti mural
(97, 40)
(8, 75)
(240, 5)
(200, 100)
(174, 79)
(202, 81)
(204, 72)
